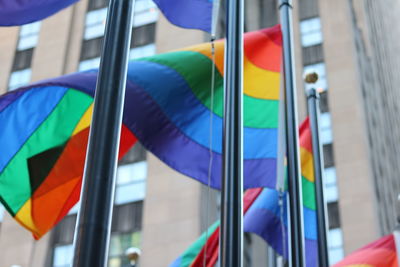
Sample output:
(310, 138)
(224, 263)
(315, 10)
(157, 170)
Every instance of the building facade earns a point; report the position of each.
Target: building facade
(350, 43)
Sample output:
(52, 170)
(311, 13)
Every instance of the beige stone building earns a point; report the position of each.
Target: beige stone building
(353, 46)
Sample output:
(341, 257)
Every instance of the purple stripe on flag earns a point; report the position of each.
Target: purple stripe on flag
(152, 127)
(165, 140)
(191, 14)
(19, 12)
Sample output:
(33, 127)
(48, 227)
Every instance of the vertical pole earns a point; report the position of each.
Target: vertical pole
(313, 113)
(231, 246)
(292, 140)
(92, 233)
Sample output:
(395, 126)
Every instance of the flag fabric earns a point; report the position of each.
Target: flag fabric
(167, 107)
(191, 14)
(174, 123)
(44, 136)
(208, 248)
(380, 253)
(265, 217)
(17, 12)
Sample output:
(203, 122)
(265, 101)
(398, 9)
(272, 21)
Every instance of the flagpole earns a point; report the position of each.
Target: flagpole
(313, 113)
(231, 246)
(297, 258)
(92, 234)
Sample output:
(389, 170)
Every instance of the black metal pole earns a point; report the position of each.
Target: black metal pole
(297, 258)
(231, 244)
(92, 234)
(313, 113)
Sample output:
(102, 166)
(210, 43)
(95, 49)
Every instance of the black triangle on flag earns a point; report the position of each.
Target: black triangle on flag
(41, 164)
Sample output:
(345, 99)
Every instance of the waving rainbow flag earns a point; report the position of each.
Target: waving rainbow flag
(173, 93)
(17, 12)
(45, 125)
(380, 253)
(264, 216)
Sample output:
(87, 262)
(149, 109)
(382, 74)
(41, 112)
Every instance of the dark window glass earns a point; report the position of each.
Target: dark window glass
(91, 48)
(323, 101)
(333, 215)
(308, 9)
(22, 59)
(64, 231)
(312, 54)
(136, 154)
(127, 218)
(328, 155)
(268, 13)
(143, 35)
(97, 4)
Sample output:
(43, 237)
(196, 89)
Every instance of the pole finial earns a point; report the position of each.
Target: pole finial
(311, 77)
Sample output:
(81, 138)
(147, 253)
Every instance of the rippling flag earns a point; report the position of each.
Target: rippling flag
(167, 106)
(266, 215)
(176, 119)
(19, 12)
(43, 142)
(206, 250)
(267, 219)
(191, 14)
(380, 253)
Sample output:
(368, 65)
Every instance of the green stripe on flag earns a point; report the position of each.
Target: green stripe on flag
(15, 187)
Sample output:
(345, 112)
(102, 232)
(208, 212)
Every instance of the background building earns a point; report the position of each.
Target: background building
(353, 46)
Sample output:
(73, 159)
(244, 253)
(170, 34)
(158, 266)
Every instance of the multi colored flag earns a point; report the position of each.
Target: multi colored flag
(178, 124)
(167, 106)
(380, 253)
(205, 249)
(15, 12)
(266, 215)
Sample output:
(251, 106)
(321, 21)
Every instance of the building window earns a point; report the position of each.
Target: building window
(310, 30)
(91, 48)
(143, 35)
(333, 215)
(145, 13)
(89, 64)
(119, 243)
(323, 101)
(131, 183)
(28, 36)
(2, 210)
(319, 68)
(22, 59)
(331, 190)
(142, 51)
(336, 252)
(328, 155)
(326, 128)
(63, 255)
(97, 4)
(95, 23)
(19, 78)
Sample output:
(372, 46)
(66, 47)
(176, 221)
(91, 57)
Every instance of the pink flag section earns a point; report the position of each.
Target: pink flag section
(381, 253)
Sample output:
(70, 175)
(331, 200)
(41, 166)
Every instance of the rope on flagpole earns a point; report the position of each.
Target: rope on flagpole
(212, 91)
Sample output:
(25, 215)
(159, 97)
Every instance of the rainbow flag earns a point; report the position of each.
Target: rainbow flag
(208, 248)
(175, 123)
(380, 253)
(16, 12)
(191, 14)
(167, 106)
(44, 135)
(265, 217)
